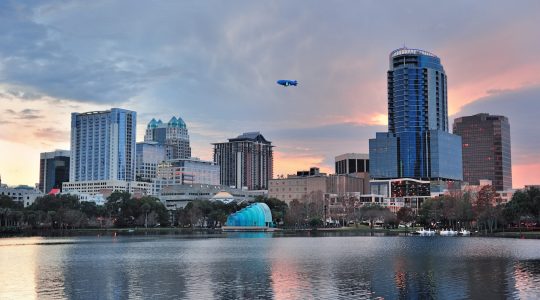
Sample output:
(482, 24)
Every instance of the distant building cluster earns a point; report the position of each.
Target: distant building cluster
(417, 158)
(104, 157)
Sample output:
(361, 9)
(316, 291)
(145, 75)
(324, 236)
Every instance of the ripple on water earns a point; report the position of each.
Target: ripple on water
(270, 268)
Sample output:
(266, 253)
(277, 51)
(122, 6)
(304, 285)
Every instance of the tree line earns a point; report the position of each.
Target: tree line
(67, 212)
(483, 211)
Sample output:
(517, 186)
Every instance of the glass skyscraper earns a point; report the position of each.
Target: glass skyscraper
(417, 144)
(53, 170)
(486, 149)
(103, 145)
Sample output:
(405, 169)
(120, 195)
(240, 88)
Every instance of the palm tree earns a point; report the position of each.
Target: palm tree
(146, 209)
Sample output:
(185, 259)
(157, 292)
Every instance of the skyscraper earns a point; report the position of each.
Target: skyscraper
(103, 145)
(417, 144)
(53, 170)
(174, 135)
(486, 149)
(245, 161)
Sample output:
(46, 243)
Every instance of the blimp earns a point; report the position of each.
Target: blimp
(285, 82)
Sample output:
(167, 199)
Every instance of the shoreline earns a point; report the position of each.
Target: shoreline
(217, 232)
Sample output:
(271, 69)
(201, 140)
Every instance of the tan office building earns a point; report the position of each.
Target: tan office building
(304, 183)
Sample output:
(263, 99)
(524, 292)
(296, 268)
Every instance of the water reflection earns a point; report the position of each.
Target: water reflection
(18, 268)
(258, 266)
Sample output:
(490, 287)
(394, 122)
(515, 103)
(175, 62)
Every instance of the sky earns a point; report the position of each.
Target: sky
(215, 64)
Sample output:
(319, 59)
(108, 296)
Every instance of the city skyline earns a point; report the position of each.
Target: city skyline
(220, 76)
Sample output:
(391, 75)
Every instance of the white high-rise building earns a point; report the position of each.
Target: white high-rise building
(103, 145)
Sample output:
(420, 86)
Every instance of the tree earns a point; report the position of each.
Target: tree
(372, 213)
(525, 204)
(315, 222)
(146, 208)
(128, 211)
(464, 209)
(297, 213)
(486, 212)
(55, 203)
(7, 202)
(405, 215)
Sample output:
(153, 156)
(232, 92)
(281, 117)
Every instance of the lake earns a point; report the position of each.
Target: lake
(262, 266)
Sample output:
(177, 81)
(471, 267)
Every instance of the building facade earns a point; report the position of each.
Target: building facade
(402, 192)
(98, 199)
(103, 145)
(185, 171)
(301, 187)
(417, 144)
(173, 135)
(245, 161)
(149, 155)
(486, 149)
(53, 170)
(356, 164)
(22, 194)
(178, 196)
(107, 187)
(352, 163)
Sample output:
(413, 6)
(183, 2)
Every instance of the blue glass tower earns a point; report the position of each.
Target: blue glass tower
(417, 144)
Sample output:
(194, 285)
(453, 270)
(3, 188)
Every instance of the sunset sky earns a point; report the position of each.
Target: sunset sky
(215, 64)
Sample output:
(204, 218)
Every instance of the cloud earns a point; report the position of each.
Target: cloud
(25, 114)
(521, 107)
(52, 135)
(33, 55)
(215, 64)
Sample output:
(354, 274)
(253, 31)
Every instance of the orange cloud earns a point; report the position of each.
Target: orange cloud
(286, 163)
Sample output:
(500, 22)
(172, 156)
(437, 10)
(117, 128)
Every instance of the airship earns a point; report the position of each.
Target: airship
(285, 82)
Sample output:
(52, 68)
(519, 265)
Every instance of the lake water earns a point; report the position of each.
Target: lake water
(259, 266)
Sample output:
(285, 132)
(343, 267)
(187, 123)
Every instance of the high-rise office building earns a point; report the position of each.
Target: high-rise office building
(245, 161)
(174, 135)
(103, 145)
(486, 149)
(53, 170)
(417, 144)
(149, 156)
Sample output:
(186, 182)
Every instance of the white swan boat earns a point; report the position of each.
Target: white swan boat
(425, 232)
(448, 232)
(464, 232)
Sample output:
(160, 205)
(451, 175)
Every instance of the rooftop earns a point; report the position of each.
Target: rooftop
(173, 122)
(254, 136)
(405, 51)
